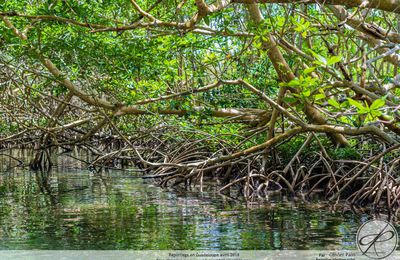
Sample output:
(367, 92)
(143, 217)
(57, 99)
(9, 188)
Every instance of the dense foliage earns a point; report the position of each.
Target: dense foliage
(244, 81)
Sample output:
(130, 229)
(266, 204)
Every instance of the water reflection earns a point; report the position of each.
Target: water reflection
(83, 210)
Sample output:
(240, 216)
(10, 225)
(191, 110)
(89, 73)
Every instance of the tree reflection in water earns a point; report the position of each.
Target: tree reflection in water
(74, 209)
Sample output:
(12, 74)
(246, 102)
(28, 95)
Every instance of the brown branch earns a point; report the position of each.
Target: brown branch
(385, 5)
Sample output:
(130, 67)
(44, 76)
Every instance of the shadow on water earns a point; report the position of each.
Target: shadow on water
(75, 209)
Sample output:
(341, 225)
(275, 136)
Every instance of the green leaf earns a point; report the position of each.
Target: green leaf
(289, 99)
(319, 96)
(306, 93)
(355, 103)
(294, 83)
(345, 120)
(334, 59)
(333, 103)
(207, 20)
(309, 70)
(320, 58)
(364, 110)
(377, 104)
(375, 113)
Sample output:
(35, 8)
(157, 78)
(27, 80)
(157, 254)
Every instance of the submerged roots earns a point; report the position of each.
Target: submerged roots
(290, 163)
(369, 180)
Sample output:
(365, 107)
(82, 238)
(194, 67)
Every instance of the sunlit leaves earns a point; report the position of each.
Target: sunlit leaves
(320, 96)
(356, 104)
(371, 112)
(302, 26)
(210, 57)
(378, 103)
(333, 103)
(306, 86)
(332, 60)
(309, 70)
(324, 61)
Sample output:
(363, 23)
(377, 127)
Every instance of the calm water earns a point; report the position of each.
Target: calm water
(83, 210)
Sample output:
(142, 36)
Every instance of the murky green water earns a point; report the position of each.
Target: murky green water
(82, 210)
